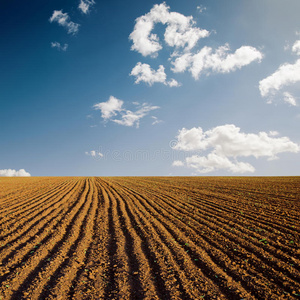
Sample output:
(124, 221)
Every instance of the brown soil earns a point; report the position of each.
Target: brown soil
(150, 238)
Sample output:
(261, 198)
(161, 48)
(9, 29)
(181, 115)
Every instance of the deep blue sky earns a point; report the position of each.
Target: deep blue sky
(48, 123)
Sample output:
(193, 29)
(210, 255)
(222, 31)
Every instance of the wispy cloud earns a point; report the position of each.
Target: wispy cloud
(113, 108)
(130, 118)
(14, 173)
(201, 8)
(144, 73)
(226, 143)
(85, 5)
(58, 46)
(156, 120)
(63, 20)
(288, 98)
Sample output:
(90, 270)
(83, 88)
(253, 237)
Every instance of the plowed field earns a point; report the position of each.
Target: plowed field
(150, 238)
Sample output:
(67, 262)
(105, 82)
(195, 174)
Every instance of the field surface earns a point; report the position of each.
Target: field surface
(150, 238)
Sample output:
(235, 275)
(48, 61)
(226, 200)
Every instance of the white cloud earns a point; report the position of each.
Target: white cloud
(144, 73)
(286, 74)
(227, 143)
(130, 118)
(14, 173)
(109, 108)
(296, 47)
(95, 154)
(288, 98)
(178, 163)
(220, 61)
(114, 107)
(273, 133)
(180, 31)
(173, 83)
(63, 20)
(191, 140)
(58, 46)
(85, 5)
(214, 162)
(182, 35)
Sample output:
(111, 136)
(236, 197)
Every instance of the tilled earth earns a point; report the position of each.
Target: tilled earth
(150, 238)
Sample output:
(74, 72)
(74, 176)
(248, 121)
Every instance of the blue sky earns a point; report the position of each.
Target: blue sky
(109, 88)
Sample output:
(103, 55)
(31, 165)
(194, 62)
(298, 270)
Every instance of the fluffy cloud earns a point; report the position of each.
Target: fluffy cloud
(180, 31)
(114, 107)
(178, 163)
(227, 143)
(219, 61)
(58, 46)
(214, 162)
(182, 35)
(144, 73)
(109, 108)
(286, 74)
(14, 173)
(95, 154)
(296, 47)
(85, 5)
(63, 20)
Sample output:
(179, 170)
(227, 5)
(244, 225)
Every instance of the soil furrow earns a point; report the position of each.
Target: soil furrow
(75, 258)
(215, 246)
(188, 238)
(31, 207)
(24, 200)
(142, 281)
(15, 263)
(91, 280)
(23, 227)
(182, 261)
(31, 267)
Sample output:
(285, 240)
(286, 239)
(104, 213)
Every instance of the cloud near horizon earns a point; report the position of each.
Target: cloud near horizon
(64, 20)
(14, 173)
(226, 144)
(114, 107)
